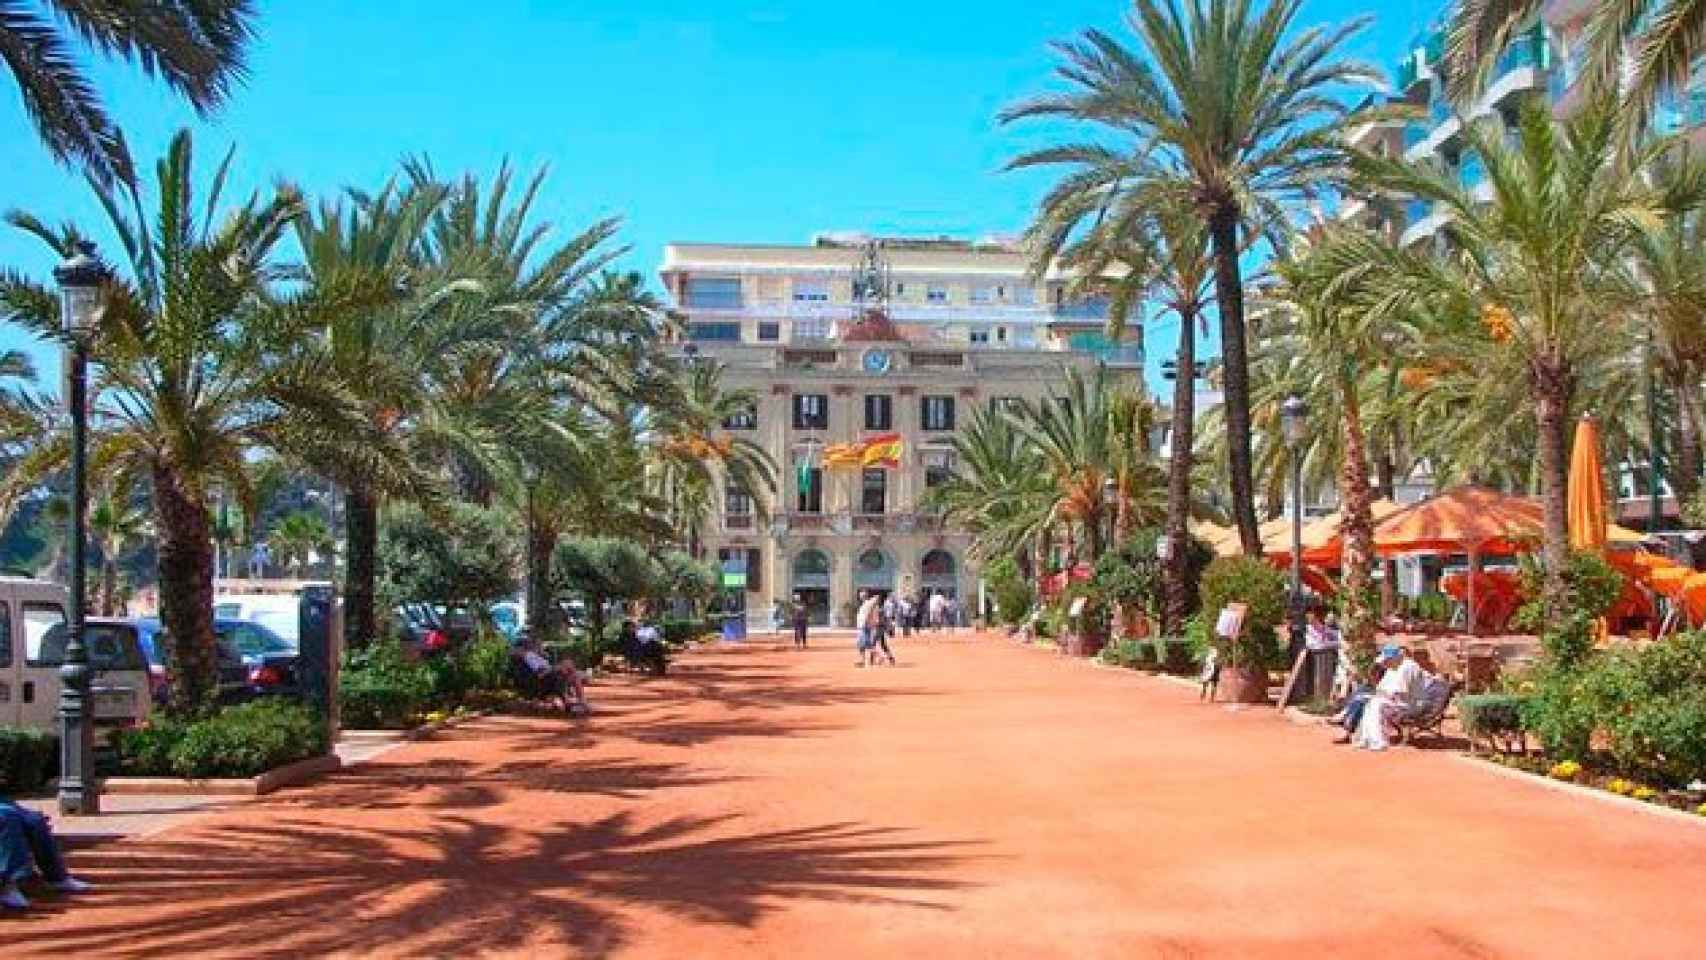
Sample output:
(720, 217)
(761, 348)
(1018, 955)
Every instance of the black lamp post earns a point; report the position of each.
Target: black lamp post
(81, 278)
(1294, 420)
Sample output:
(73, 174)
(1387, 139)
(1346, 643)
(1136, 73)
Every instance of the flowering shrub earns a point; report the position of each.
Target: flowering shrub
(1565, 770)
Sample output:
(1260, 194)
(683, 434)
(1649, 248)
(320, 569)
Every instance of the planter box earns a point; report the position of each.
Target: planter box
(287, 775)
(1242, 685)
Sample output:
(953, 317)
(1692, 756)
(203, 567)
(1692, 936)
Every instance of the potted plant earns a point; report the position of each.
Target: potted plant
(1245, 659)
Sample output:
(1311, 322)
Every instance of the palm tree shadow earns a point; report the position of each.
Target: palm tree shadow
(303, 888)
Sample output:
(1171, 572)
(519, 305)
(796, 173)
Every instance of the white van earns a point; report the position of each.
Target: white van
(278, 612)
(32, 649)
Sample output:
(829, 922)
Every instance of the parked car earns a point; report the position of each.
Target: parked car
(508, 617)
(421, 629)
(251, 660)
(32, 649)
(269, 661)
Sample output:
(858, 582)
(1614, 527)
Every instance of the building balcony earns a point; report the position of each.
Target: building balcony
(1434, 139)
(1123, 355)
(855, 524)
(1424, 227)
(738, 522)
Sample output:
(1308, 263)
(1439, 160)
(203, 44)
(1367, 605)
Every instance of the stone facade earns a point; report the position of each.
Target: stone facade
(826, 370)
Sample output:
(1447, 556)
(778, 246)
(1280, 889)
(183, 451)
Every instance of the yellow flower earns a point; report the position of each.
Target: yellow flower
(435, 716)
(1499, 322)
(1701, 809)
(1620, 786)
(1644, 793)
(1567, 770)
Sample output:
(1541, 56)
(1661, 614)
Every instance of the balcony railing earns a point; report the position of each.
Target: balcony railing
(737, 521)
(857, 523)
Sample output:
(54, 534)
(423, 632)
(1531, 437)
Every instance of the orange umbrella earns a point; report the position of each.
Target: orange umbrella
(1588, 523)
(1460, 518)
(1472, 519)
(1323, 545)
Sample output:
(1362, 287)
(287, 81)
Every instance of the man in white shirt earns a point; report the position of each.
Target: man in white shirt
(869, 620)
(1399, 691)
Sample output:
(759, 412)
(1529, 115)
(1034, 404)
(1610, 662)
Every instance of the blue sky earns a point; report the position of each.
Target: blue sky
(692, 121)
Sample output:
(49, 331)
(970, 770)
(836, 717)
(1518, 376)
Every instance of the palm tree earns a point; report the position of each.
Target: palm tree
(1658, 40)
(196, 46)
(1672, 262)
(692, 448)
(1089, 436)
(1533, 275)
(1341, 349)
(1248, 118)
(376, 243)
(200, 364)
(297, 537)
(998, 492)
(1136, 253)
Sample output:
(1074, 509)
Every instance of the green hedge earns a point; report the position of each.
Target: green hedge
(1168, 654)
(1492, 717)
(28, 759)
(382, 688)
(1253, 582)
(241, 741)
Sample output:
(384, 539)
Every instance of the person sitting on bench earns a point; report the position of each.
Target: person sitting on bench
(643, 647)
(1400, 691)
(554, 679)
(27, 847)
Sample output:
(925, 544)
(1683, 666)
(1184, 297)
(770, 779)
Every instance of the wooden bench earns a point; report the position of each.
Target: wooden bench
(1430, 716)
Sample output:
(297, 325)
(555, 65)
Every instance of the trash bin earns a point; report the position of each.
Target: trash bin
(1322, 665)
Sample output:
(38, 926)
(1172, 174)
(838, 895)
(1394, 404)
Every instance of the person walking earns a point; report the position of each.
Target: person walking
(868, 620)
(801, 619)
(938, 611)
(885, 628)
(907, 610)
(778, 617)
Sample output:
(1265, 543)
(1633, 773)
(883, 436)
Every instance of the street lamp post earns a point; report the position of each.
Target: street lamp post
(1110, 504)
(81, 278)
(535, 597)
(1294, 419)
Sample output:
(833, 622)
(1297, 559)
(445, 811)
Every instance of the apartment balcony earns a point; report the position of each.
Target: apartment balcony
(1124, 355)
(1423, 228)
(1436, 138)
(738, 522)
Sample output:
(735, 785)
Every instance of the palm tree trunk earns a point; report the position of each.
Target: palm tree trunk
(1235, 363)
(1386, 485)
(185, 566)
(1686, 477)
(1180, 450)
(540, 610)
(1552, 410)
(109, 584)
(361, 533)
(1357, 529)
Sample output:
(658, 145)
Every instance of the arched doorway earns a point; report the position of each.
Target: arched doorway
(939, 573)
(873, 569)
(810, 584)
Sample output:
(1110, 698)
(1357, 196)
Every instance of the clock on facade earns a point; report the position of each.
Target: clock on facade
(878, 361)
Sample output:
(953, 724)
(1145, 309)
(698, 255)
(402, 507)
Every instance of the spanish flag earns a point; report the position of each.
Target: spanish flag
(882, 451)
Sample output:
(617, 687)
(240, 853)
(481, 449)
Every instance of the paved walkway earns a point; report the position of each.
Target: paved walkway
(979, 801)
